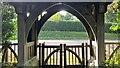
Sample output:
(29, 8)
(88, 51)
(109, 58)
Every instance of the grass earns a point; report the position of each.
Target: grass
(111, 36)
(70, 35)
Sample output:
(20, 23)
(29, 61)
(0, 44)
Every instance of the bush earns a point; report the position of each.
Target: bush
(63, 26)
(107, 27)
(114, 61)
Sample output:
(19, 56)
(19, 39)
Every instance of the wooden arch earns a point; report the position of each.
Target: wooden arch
(78, 13)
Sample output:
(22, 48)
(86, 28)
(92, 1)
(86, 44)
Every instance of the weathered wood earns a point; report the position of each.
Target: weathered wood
(29, 50)
(83, 57)
(21, 35)
(87, 19)
(61, 56)
(21, 40)
(1, 7)
(40, 55)
(34, 14)
(86, 49)
(43, 55)
(100, 36)
(64, 55)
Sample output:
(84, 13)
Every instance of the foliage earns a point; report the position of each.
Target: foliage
(115, 60)
(68, 16)
(9, 65)
(65, 22)
(55, 17)
(69, 25)
(64, 25)
(113, 15)
(107, 28)
(59, 17)
(9, 23)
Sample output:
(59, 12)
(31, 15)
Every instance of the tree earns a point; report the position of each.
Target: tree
(8, 23)
(113, 15)
(58, 17)
(68, 16)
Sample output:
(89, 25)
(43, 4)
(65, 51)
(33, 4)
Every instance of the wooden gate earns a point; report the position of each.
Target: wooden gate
(63, 56)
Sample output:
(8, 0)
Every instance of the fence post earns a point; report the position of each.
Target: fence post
(64, 55)
(6, 54)
(86, 45)
(39, 55)
(60, 55)
(83, 59)
(43, 44)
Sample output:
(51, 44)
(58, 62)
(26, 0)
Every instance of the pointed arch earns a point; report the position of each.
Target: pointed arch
(56, 9)
(78, 13)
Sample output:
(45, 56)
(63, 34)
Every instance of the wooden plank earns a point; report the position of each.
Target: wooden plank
(53, 57)
(100, 37)
(43, 55)
(21, 38)
(112, 43)
(64, 55)
(86, 55)
(69, 58)
(72, 57)
(30, 44)
(75, 57)
(50, 57)
(60, 55)
(51, 46)
(39, 54)
(83, 58)
(56, 58)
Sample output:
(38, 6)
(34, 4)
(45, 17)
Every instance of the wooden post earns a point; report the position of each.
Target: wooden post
(36, 40)
(60, 55)
(83, 57)
(1, 24)
(86, 45)
(39, 55)
(64, 55)
(43, 55)
(21, 40)
(6, 52)
(21, 35)
(100, 35)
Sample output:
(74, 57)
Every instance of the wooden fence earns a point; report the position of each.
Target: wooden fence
(10, 53)
(111, 48)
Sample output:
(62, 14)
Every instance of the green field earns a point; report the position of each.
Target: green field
(70, 35)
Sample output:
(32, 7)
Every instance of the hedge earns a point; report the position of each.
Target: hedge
(68, 26)
(63, 26)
